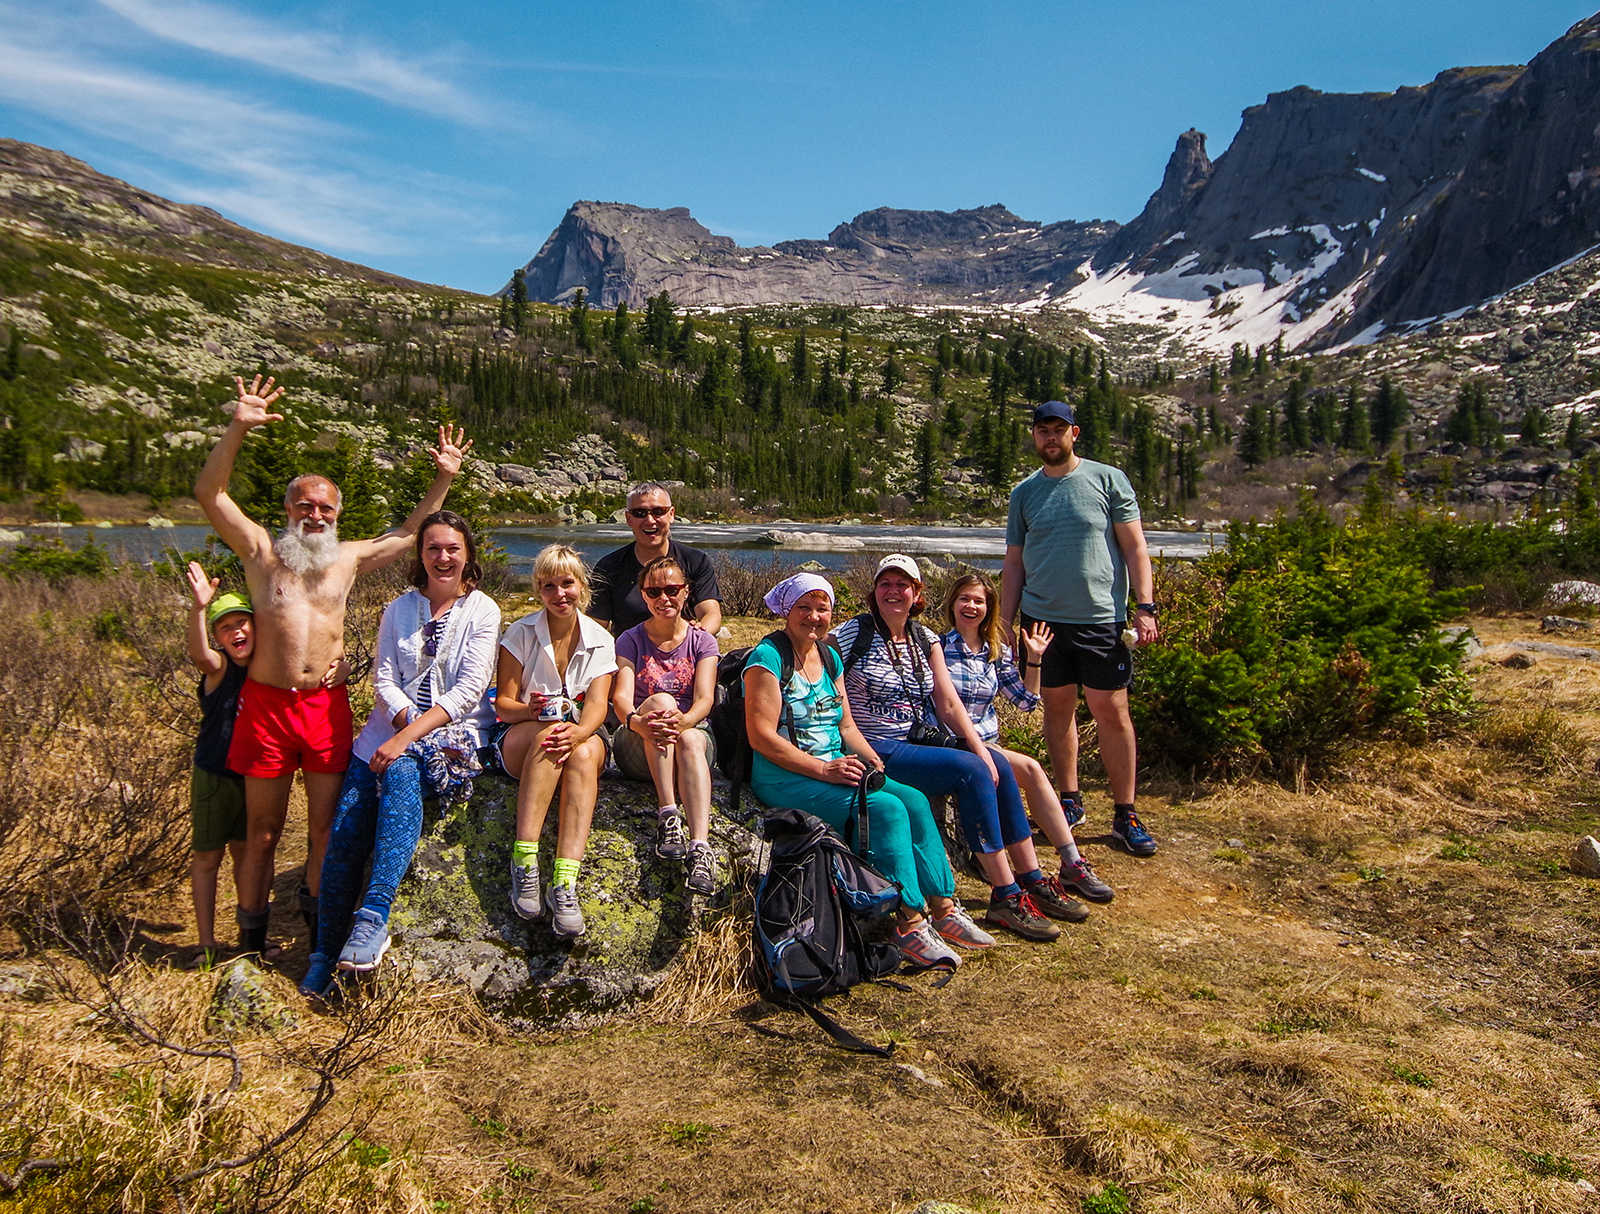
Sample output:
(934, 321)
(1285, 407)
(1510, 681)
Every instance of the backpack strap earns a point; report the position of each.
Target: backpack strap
(842, 1036)
(866, 629)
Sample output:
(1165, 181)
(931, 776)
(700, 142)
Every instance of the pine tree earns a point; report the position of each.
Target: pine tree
(1214, 379)
(1296, 434)
(13, 362)
(946, 352)
(952, 424)
(658, 324)
(883, 415)
(927, 446)
(519, 300)
(1472, 422)
(1255, 439)
(1574, 434)
(1389, 411)
(1533, 427)
(578, 319)
(800, 364)
(1355, 432)
(1324, 419)
(892, 375)
(936, 381)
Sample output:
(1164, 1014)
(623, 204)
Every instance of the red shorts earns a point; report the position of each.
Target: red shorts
(279, 730)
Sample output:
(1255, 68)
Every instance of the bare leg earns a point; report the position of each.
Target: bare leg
(662, 762)
(322, 803)
(996, 867)
(694, 783)
(204, 867)
(522, 753)
(1043, 804)
(1061, 734)
(266, 805)
(1118, 747)
(580, 785)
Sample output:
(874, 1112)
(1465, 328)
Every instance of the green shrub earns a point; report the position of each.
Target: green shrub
(1298, 637)
(1111, 1198)
(53, 560)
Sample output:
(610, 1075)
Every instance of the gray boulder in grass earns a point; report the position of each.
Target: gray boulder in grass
(452, 919)
(1585, 859)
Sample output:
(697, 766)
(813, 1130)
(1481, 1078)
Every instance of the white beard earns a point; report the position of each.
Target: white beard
(304, 554)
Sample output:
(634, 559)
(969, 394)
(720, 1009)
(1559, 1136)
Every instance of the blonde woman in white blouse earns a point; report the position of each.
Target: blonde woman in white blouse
(553, 685)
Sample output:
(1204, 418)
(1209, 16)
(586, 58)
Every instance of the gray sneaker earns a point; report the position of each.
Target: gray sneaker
(525, 890)
(1081, 879)
(921, 945)
(702, 878)
(956, 926)
(670, 841)
(566, 919)
(367, 943)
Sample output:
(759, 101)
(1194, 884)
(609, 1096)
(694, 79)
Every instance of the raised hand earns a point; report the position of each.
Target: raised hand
(253, 408)
(203, 588)
(1036, 639)
(452, 450)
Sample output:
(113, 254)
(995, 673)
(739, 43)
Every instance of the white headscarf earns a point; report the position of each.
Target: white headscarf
(782, 597)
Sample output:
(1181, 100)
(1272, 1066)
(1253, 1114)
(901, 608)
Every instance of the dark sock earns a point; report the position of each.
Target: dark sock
(252, 929)
(1001, 892)
(1074, 796)
(1031, 877)
(1122, 810)
(308, 913)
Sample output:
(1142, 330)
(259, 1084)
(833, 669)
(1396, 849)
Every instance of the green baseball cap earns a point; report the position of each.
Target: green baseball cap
(224, 603)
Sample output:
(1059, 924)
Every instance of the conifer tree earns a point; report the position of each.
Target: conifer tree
(1389, 411)
(936, 381)
(1214, 379)
(927, 445)
(800, 364)
(1574, 434)
(1296, 434)
(1533, 426)
(578, 319)
(892, 375)
(1355, 433)
(1255, 439)
(519, 299)
(952, 424)
(1472, 422)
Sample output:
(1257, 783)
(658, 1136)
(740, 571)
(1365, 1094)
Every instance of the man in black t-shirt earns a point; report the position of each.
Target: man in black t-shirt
(617, 602)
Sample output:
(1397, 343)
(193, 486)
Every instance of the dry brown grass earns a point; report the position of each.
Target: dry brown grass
(1379, 992)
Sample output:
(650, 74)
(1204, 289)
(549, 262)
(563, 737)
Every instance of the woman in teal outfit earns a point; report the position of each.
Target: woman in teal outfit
(819, 771)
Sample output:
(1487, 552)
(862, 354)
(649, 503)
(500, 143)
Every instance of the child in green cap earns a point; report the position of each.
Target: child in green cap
(216, 795)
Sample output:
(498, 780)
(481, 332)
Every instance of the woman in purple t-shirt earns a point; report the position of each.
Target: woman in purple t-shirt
(666, 683)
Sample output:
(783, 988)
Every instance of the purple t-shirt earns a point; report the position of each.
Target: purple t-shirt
(671, 671)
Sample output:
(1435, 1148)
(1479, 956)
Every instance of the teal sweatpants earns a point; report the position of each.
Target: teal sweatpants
(903, 841)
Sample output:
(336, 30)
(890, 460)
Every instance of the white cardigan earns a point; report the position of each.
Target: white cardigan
(460, 674)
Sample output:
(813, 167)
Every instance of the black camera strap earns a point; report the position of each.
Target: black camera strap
(863, 838)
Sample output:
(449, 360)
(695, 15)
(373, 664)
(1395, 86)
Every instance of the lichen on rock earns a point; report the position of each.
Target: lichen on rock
(453, 921)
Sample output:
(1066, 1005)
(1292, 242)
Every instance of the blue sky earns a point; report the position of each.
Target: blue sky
(444, 142)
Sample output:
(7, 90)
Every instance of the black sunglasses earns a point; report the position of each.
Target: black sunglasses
(672, 592)
(431, 632)
(649, 511)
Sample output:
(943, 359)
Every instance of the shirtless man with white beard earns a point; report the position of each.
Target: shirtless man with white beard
(299, 584)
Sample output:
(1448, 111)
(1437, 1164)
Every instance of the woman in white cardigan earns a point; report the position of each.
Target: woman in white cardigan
(436, 656)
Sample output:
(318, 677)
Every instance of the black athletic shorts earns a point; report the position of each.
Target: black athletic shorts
(1085, 655)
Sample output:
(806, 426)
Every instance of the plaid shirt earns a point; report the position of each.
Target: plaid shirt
(978, 681)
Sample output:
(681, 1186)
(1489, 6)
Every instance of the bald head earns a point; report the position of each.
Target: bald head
(312, 485)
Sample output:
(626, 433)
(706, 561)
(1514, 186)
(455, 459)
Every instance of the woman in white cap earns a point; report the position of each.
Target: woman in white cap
(809, 755)
(897, 680)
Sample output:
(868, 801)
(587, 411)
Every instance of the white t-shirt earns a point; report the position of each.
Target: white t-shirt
(528, 640)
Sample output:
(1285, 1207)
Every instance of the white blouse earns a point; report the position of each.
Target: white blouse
(459, 675)
(528, 640)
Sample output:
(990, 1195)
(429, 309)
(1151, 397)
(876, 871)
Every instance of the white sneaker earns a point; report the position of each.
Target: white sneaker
(921, 945)
(956, 926)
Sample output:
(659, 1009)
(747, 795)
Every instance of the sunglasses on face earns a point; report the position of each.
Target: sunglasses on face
(672, 592)
(649, 511)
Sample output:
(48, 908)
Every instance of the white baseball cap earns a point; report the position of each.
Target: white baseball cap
(898, 560)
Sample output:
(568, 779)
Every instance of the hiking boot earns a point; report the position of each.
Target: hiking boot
(1081, 880)
(566, 919)
(1018, 914)
(671, 844)
(956, 926)
(921, 945)
(1128, 831)
(525, 890)
(1073, 808)
(367, 943)
(702, 877)
(1051, 899)
(319, 977)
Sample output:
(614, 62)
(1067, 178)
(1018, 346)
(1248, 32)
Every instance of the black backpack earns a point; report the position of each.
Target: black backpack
(734, 753)
(812, 909)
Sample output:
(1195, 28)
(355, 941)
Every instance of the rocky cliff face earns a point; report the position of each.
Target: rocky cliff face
(617, 252)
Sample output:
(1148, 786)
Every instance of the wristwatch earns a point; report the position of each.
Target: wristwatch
(1149, 609)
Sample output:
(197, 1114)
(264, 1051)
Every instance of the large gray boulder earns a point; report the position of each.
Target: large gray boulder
(453, 921)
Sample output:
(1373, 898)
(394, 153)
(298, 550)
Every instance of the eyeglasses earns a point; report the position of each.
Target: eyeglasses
(649, 511)
(672, 592)
(431, 632)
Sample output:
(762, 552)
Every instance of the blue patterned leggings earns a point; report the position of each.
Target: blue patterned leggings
(385, 826)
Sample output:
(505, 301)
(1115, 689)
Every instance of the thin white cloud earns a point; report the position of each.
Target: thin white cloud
(325, 58)
(286, 172)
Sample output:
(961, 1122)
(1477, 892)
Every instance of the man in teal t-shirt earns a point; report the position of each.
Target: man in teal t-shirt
(1073, 544)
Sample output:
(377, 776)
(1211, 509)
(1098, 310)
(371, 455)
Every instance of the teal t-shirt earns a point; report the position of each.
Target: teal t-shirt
(817, 711)
(1073, 566)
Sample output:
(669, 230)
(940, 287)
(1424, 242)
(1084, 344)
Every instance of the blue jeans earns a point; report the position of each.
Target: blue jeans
(385, 826)
(992, 817)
